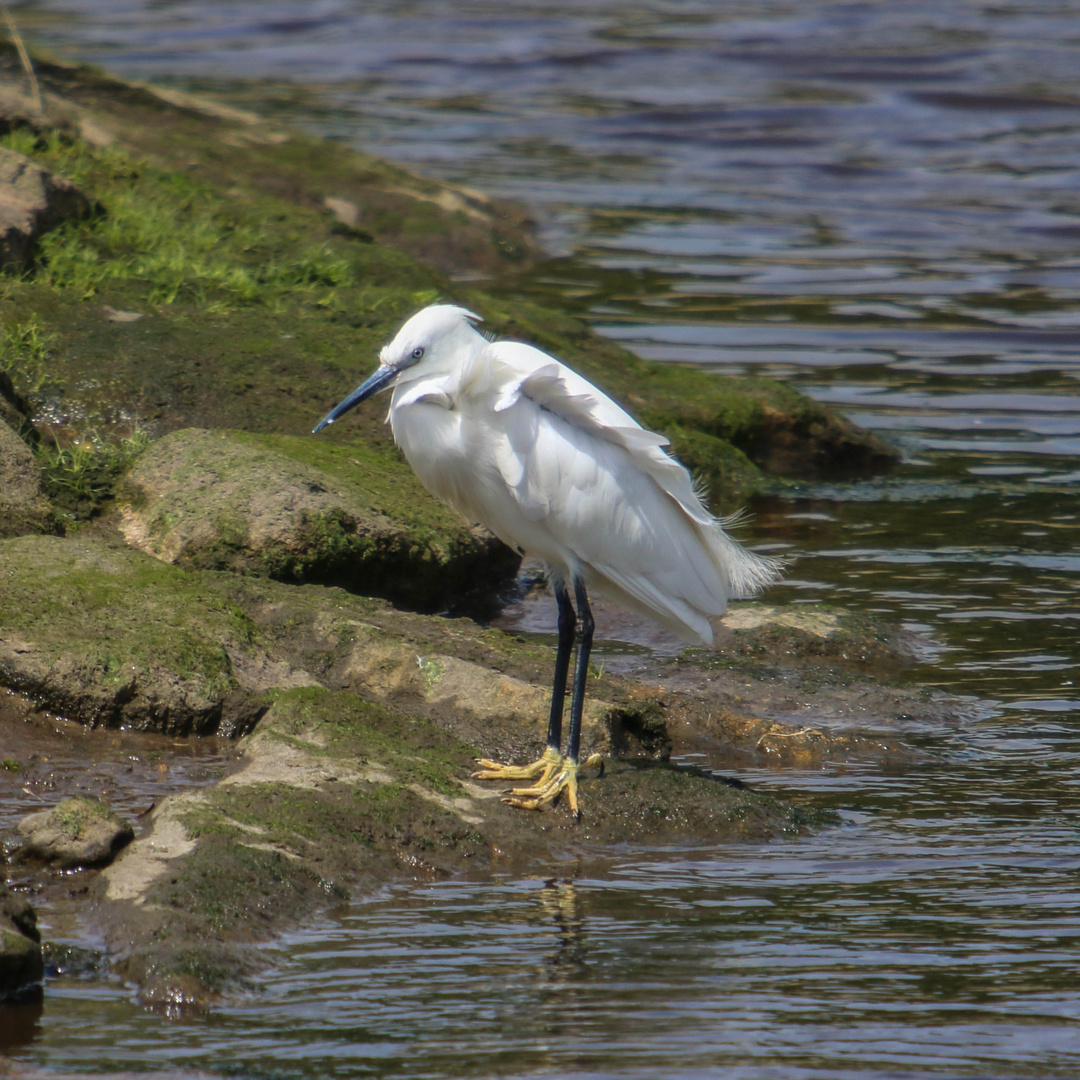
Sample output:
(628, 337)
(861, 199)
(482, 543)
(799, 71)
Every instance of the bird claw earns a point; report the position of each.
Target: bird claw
(540, 770)
(549, 788)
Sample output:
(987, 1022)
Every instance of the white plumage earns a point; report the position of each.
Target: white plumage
(515, 440)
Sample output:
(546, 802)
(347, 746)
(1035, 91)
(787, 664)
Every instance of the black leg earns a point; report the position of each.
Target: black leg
(581, 670)
(552, 773)
(562, 665)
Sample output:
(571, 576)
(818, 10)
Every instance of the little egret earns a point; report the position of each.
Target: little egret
(512, 438)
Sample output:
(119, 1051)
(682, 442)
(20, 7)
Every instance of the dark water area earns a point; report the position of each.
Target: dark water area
(880, 204)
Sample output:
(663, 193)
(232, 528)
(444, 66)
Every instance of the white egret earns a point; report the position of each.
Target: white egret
(512, 438)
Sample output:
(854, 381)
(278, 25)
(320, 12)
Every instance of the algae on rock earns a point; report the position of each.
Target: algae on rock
(110, 636)
(257, 306)
(73, 834)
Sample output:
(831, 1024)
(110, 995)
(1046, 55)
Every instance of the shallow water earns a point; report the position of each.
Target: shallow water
(881, 204)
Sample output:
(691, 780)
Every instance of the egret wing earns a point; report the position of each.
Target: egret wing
(610, 494)
(562, 391)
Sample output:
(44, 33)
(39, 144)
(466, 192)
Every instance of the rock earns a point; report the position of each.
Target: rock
(14, 410)
(346, 212)
(32, 201)
(23, 505)
(115, 315)
(21, 965)
(108, 636)
(73, 834)
(303, 511)
(19, 109)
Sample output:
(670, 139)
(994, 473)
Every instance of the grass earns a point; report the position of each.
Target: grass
(81, 477)
(24, 355)
(191, 253)
(178, 240)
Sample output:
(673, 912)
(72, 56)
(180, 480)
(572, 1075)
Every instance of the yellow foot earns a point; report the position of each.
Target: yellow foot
(541, 770)
(547, 790)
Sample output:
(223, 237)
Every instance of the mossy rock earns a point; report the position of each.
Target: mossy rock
(21, 964)
(32, 201)
(23, 505)
(304, 510)
(216, 290)
(110, 636)
(73, 834)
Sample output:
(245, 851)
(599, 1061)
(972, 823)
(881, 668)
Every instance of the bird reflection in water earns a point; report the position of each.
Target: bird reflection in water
(561, 914)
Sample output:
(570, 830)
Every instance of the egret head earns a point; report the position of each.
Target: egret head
(433, 340)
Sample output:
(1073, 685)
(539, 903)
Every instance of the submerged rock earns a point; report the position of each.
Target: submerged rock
(23, 505)
(21, 964)
(73, 834)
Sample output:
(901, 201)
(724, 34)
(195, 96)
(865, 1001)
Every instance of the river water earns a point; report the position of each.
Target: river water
(879, 203)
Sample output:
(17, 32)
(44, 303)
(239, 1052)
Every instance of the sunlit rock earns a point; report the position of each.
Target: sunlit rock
(74, 833)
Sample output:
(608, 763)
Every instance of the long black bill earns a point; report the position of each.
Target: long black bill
(377, 381)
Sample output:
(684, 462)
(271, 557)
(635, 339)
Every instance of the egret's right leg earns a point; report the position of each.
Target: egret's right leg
(546, 791)
(549, 764)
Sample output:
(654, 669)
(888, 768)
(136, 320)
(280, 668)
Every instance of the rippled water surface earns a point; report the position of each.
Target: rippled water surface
(879, 203)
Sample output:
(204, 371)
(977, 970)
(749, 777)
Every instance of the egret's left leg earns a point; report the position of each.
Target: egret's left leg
(550, 762)
(548, 789)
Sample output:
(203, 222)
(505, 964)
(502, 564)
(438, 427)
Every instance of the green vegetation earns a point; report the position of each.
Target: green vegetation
(212, 289)
(305, 510)
(81, 477)
(116, 616)
(176, 238)
(72, 815)
(24, 355)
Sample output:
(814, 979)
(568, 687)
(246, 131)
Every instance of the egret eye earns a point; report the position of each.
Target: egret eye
(418, 353)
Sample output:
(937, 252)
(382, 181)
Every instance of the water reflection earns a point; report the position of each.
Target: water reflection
(566, 962)
(19, 1020)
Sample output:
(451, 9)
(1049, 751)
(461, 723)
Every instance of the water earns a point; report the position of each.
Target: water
(879, 203)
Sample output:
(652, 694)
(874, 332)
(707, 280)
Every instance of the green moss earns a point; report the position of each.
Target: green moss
(727, 474)
(347, 727)
(179, 252)
(71, 815)
(122, 613)
(259, 313)
(370, 527)
(178, 239)
(266, 849)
